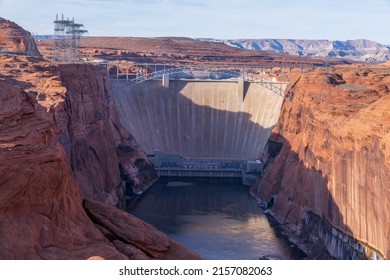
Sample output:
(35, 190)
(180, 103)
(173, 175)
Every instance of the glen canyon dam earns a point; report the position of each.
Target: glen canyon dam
(211, 124)
(175, 148)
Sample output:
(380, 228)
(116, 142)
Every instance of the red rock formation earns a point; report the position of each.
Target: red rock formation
(103, 157)
(14, 39)
(53, 153)
(134, 237)
(331, 178)
(41, 214)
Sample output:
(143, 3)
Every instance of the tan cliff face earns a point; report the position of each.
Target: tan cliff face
(332, 175)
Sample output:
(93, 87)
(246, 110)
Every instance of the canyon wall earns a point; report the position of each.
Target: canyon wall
(54, 204)
(103, 156)
(331, 177)
(40, 204)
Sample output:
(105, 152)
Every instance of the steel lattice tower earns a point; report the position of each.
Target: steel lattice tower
(67, 36)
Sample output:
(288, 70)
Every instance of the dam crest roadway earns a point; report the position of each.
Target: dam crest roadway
(201, 121)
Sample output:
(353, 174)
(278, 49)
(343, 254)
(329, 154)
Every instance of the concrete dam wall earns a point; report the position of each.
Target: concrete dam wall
(199, 119)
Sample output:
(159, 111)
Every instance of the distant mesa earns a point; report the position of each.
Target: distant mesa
(360, 50)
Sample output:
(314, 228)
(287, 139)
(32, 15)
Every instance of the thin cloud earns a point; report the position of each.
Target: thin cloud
(192, 3)
(204, 18)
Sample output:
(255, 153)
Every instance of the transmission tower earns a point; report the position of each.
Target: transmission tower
(67, 36)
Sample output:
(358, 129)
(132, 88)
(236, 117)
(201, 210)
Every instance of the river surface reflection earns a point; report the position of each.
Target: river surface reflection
(216, 220)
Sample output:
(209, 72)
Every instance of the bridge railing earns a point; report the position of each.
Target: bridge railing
(264, 76)
(192, 73)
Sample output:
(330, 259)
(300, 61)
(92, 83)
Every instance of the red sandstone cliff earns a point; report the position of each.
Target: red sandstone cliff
(77, 99)
(15, 39)
(40, 203)
(42, 214)
(104, 158)
(331, 178)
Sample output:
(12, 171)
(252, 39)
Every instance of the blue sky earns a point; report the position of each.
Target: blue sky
(223, 19)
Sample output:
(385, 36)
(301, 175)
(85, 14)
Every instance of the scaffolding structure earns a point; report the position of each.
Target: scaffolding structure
(67, 36)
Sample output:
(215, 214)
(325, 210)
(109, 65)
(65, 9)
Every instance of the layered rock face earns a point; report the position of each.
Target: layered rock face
(40, 203)
(103, 156)
(14, 39)
(331, 177)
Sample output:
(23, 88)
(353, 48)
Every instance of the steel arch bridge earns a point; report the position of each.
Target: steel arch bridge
(264, 76)
(189, 73)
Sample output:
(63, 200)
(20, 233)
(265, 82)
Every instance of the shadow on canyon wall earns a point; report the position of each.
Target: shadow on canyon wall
(304, 207)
